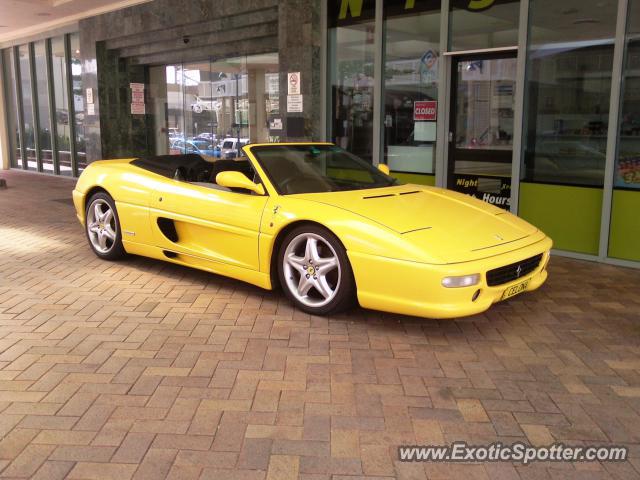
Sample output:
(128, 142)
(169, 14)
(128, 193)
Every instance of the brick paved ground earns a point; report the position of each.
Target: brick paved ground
(142, 369)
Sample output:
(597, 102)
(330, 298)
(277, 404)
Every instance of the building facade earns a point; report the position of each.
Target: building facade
(531, 105)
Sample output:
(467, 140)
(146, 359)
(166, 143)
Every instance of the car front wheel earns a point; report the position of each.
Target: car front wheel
(103, 227)
(314, 271)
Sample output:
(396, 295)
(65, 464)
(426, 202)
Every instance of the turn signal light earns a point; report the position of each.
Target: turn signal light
(463, 281)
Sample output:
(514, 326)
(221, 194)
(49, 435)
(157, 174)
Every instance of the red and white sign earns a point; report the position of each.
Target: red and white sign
(137, 99)
(425, 111)
(294, 83)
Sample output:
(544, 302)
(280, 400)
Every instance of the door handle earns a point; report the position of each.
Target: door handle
(450, 137)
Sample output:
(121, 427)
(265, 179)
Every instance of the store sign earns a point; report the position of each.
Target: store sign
(137, 99)
(294, 104)
(137, 109)
(275, 123)
(493, 190)
(349, 12)
(294, 83)
(425, 111)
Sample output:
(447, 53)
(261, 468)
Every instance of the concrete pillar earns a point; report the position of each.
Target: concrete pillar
(157, 108)
(299, 39)
(257, 111)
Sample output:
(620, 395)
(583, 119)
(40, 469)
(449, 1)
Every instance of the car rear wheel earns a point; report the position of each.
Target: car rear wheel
(103, 227)
(314, 271)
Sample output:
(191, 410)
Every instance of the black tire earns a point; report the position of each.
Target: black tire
(114, 250)
(345, 289)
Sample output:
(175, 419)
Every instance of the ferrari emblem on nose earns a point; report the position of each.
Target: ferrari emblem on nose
(519, 271)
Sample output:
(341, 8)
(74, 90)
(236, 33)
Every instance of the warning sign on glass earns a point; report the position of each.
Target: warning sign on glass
(425, 111)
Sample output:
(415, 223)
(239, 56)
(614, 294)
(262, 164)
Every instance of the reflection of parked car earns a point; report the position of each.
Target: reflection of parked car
(205, 104)
(576, 159)
(207, 136)
(200, 147)
(230, 147)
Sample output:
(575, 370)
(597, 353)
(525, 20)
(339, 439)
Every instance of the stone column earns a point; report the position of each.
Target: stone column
(299, 51)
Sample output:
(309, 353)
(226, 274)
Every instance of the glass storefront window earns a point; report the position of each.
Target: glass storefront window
(44, 120)
(411, 61)
(478, 24)
(27, 107)
(12, 108)
(78, 102)
(568, 89)
(627, 171)
(215, 108)
(624, 227)
(352, 51)
(61, 100)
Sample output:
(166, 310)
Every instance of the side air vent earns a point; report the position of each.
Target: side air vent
(168, 229)
(169, 254)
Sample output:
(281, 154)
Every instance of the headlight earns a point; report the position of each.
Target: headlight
(463, 281)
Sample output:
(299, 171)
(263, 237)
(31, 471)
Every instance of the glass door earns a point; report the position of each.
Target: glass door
(481, 130)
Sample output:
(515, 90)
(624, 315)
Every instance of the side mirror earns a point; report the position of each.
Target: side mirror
(384, 168)
(233, 179)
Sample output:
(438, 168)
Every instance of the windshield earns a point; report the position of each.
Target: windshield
(318, 168)
(227, 145)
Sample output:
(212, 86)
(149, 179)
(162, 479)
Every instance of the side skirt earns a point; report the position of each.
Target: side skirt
(259, 279)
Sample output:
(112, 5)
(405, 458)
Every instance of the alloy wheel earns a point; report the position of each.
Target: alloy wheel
(101, 226)
(312, 270)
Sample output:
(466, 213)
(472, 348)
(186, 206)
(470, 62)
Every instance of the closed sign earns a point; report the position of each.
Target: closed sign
(425, 110)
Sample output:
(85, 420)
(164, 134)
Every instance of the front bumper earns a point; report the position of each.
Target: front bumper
(78, 203)
(412, 288)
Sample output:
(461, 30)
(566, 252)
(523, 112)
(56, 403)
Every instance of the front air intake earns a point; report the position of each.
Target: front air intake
(509, 273)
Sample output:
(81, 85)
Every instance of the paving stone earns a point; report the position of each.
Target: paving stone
(144, 369)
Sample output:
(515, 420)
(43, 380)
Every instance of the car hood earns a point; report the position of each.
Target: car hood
(453, 226)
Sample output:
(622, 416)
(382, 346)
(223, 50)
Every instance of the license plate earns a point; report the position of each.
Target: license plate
(515, 290)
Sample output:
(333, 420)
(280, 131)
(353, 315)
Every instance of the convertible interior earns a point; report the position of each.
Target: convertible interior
(192, 168)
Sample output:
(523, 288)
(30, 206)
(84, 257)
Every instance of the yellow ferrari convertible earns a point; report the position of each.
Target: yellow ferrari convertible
(317, 221)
